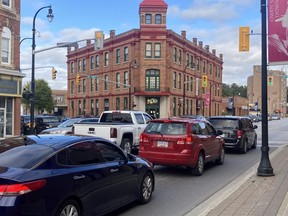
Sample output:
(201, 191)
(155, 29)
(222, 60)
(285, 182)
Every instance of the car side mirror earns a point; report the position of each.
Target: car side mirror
(255, 126)
(219, 132)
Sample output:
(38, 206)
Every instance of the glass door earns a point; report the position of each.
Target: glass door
(2, 123)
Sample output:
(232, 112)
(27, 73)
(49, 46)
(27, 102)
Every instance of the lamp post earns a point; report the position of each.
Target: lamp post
(50, 18)
(134, 64)
(264, 168)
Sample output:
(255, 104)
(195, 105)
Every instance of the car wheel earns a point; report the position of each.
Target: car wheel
(221, 158)
(69, 207)
(244, 147)
(126, 145)
(199, 168)
(254, 143)
(146, 188)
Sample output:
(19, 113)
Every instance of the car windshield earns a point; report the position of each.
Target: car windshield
(50, 119)
(166, 128)
(21, 152)
(68, 123)
(224, 123)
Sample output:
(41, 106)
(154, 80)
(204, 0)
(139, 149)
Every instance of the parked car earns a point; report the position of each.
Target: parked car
(61, 175)
(275, 117)
(182, 142)
(24, 119)
(238, 131)
(44, 122)
(66, 126)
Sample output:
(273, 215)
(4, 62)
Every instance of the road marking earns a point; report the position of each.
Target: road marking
(283, 211)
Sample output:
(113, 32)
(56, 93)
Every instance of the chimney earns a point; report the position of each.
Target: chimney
(88, 42)
(183, 34)
(207, 48)
(112, 33)
(195, 41)
(201, 44)
(214, 51)
(221, 56)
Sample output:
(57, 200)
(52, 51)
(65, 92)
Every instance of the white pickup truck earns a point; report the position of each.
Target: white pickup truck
(121, 127)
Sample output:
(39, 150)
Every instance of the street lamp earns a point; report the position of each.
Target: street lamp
(50, 18)
(134, 64)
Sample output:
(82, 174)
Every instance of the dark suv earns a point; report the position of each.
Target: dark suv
(238, 131)
(45, 122)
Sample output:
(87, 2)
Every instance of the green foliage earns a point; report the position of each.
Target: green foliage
(234, 89)
(43, 96)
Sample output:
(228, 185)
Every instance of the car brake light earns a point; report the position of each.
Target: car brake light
(186, 140)
(239, 134)
(143, 138)
(20, 189)
(113, 132)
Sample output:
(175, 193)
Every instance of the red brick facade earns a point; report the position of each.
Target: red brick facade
(161, 79)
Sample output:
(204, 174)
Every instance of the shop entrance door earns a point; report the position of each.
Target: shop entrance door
(2, 123)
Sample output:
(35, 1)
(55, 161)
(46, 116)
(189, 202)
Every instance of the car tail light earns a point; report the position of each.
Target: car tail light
(20, 189)
(239, 134)
(113, 132)
(143, 138)
(186, 140)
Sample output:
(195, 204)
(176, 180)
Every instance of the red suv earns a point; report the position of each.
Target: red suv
(183, 142)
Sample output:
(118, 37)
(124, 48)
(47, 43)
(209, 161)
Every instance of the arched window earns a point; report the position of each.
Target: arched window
(158, 19)
(148, 19)
(6, 46)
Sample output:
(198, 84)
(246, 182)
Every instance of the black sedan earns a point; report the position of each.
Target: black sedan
(63, 175)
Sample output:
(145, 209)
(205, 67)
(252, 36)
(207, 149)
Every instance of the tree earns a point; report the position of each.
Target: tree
(43, 96)
(234, 89)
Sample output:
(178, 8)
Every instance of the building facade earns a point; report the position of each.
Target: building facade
(276, 90)
(10, 75)
(151, 69)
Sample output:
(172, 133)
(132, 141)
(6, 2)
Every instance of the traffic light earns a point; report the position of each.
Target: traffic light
(270, 80)
(244, 39)
(204, 81)
(54, 72)
(77, 79)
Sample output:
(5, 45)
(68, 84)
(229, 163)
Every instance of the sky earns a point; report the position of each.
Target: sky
(215, 22)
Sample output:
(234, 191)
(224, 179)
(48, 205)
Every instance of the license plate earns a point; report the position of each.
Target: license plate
(162, 144)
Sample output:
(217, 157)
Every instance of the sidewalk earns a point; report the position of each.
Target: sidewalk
(251, 194)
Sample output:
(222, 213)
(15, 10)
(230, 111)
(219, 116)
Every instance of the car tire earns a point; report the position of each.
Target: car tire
(146, 188)
(254, 143)
(69, 207)
(244, 147)
(221, 159)
(199, 168)
(126, 145)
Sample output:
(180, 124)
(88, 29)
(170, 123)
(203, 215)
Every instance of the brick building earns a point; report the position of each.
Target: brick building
(10, 75)
(276, 90)
(151, 69)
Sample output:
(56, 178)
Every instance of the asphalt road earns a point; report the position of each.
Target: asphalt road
(178, 192)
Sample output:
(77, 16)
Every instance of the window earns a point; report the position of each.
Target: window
(96, 84)
(139, 118)
(126, 79)
(84, 85)
(204, 67)
(174, 80)
(79, 65)
(6, 46)
(157, 50)
(180, 56)
(125, 103)
(117, 80)
(72, 87)
(117, 103)
(126, 54)
(92, 107)
(106, 104)
(72, 67)
(92, 62)
(117, 56)
(192, 61)
(91, 84)
(97, 61)
(152, 80)
(210, 69)
(198, 64)
(110, 153)
(175, 54)
(106, 59)
(148, 19)
(148, 50)
(106, 82)
(158, 19)
(96, 107)
(191, 84)
(6, 3)
(84, 64)
(179, 80)
(174, 106)
(79, 107)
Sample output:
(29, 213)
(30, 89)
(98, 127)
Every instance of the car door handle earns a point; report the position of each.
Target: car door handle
(78, 177)
(113, 170)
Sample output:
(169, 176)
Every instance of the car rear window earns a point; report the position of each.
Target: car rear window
(166, 128)
(22, 153)
(224, 123)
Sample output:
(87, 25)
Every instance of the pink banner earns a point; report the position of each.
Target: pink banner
(207, 99)
(277, 32)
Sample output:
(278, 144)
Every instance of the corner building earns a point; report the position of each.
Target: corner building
(10, 75)
(151, 69)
